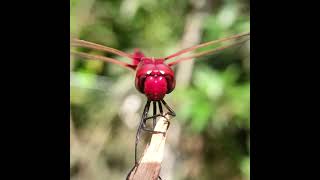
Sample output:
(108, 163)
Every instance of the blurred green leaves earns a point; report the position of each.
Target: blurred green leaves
(215, 96)
(226, 21)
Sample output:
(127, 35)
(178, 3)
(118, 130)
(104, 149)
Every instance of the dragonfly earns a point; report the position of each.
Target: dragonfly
(154, 77)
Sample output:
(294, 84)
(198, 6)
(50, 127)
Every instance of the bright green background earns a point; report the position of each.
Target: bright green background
(210, 136)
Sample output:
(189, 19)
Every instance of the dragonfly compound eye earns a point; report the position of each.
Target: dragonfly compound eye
(139, 83)
(171, 83)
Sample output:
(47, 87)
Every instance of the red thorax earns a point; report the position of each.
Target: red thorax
(154, 78)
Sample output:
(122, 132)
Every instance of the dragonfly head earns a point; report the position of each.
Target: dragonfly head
(154, 79)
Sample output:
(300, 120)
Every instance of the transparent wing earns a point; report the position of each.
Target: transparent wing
(86, 44)
(235, 37)
(206, 52)
(102, 58)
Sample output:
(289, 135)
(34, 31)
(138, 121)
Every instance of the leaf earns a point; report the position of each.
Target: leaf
(210, 82)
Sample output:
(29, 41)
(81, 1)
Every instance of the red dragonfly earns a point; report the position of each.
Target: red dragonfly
(154, 77)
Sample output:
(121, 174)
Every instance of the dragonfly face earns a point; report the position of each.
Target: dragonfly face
(154, 78)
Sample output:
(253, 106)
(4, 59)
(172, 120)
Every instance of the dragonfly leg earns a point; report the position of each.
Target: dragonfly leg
(154, 113)
(160, 107)
(154, 117)
(127, 178)
(145, 113)
(171, 112)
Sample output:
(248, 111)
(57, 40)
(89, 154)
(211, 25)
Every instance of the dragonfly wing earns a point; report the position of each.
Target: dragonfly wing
(87, 44)
(207, 44)
(206, 52)
(106, 59)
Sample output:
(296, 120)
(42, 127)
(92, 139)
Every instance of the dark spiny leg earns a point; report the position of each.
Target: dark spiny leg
(171, 112)
(152, 117)
(154, 113)
(127, 178)
(160, 107)
(164, 115)
(145, 113)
